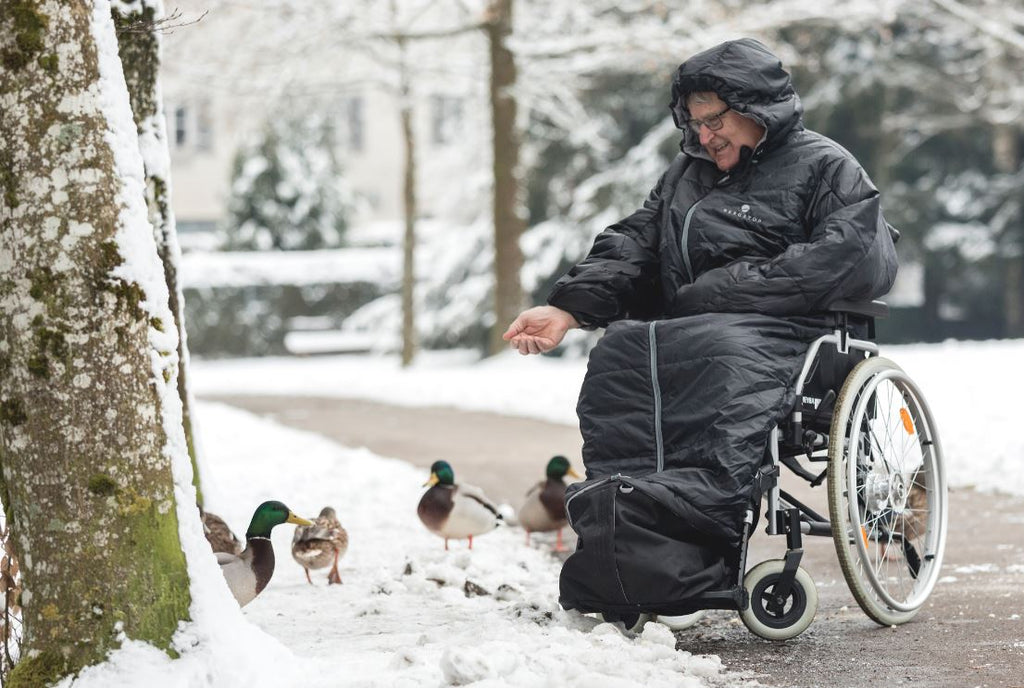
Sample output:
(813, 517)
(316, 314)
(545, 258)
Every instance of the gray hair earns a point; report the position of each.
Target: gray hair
(700, 98)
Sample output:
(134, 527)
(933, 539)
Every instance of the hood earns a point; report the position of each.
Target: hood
(749, 79)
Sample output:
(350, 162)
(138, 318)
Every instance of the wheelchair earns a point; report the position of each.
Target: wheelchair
(864, 418)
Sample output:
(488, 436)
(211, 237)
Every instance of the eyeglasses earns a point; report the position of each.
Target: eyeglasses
(713, 123)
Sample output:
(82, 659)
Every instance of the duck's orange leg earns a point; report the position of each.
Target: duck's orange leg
(334, 576)
(559, 547)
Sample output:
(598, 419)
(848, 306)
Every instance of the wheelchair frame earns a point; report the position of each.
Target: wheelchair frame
(788, 516)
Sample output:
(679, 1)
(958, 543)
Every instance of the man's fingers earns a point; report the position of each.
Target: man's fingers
(513, 329)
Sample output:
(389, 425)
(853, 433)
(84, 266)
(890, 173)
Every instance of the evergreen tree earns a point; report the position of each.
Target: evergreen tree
(287, 192)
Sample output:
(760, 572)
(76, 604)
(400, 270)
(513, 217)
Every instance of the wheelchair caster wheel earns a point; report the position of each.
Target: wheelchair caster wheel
(681, 623)
(632, 623)
(765, 616)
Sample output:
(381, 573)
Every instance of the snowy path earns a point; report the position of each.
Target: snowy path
(972, 621)
(403, 617)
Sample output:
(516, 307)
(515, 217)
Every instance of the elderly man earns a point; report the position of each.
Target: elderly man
(711, 293)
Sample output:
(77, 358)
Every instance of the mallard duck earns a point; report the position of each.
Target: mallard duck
(320, 544)
(249, 572)
(544, 508)
(455, 511)
(219, 534)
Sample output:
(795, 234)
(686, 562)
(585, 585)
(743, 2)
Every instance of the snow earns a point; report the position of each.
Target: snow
(970, 386)
(251, 268)
(403, 616)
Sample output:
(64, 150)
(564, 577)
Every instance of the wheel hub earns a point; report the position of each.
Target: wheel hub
(877, 491)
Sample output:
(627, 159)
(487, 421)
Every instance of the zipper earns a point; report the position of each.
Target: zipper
(685, 238)
(615, 562)
(588, 488)
(656, 389)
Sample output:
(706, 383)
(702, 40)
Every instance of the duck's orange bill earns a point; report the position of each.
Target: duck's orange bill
(908, 422)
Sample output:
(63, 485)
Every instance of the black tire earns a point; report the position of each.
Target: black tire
(795, 615)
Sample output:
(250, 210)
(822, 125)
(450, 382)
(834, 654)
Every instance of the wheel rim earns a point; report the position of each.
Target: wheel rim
(762, 600)
(897, 512)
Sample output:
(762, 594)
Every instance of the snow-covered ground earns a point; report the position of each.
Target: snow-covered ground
(407, 614)
(972, 387)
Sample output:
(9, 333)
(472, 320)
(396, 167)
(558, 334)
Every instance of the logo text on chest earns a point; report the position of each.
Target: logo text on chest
(743, 212)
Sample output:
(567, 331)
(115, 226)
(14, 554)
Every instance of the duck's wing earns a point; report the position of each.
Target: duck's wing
(240, 577)
(535, 490)
(224, 558)
(314, 532)
(475, 493)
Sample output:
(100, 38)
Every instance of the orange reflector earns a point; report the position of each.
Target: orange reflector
(864, 534)
(908, 424)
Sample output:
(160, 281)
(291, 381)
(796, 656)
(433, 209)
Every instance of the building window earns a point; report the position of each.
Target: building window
(180, 126)
(445, 119)
(354, 130)
(204, 126)
(192, 126)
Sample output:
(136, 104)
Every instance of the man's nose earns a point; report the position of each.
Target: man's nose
(705, 135)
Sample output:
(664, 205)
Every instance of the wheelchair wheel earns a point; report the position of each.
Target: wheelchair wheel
(886, 491)
(681, 623)
(773, 621)
(631, 623)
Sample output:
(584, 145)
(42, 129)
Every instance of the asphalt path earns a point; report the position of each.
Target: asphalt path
(969, 633)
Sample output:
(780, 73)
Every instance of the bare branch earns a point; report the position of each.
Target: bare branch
(164, 25)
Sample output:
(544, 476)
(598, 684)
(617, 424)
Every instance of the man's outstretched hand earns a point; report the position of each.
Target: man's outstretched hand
(539, 329)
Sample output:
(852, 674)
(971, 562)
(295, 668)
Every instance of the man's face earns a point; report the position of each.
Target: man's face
(737, 131)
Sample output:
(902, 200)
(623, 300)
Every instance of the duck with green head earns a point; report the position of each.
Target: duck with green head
(455, 511)
(544, 508)
(248, 573)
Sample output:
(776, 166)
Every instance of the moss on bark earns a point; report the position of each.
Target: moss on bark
(36, 672)
(29, 26)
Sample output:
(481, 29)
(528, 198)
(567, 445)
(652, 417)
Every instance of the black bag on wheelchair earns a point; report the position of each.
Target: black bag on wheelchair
(644, 548)
(675, 416)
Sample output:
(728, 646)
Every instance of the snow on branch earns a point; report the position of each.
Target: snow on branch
(991, 26)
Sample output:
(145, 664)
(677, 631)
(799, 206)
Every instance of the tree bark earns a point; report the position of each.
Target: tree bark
(1007, 156)
(86, 354)
(508, 224)
(139, 49)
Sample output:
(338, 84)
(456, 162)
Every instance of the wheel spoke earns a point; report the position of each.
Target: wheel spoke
(886, 491)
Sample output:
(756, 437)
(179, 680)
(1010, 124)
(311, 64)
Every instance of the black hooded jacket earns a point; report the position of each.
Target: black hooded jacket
(734, 271)
(795, 226)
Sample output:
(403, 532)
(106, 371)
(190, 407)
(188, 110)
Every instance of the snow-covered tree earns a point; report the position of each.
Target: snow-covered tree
(928, 101)
(90, 418)
(288, 192)
(138, 37)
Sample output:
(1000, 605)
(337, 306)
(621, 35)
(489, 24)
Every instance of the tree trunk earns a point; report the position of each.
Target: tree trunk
(88, 412)
(139, 49)
(409, 208)
(508, 224)
(1007, 156)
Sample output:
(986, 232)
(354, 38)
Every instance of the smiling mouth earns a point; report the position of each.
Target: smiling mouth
(719, 149)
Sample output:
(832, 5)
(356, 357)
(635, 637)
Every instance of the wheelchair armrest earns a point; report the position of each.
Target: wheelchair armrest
(867, 309)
